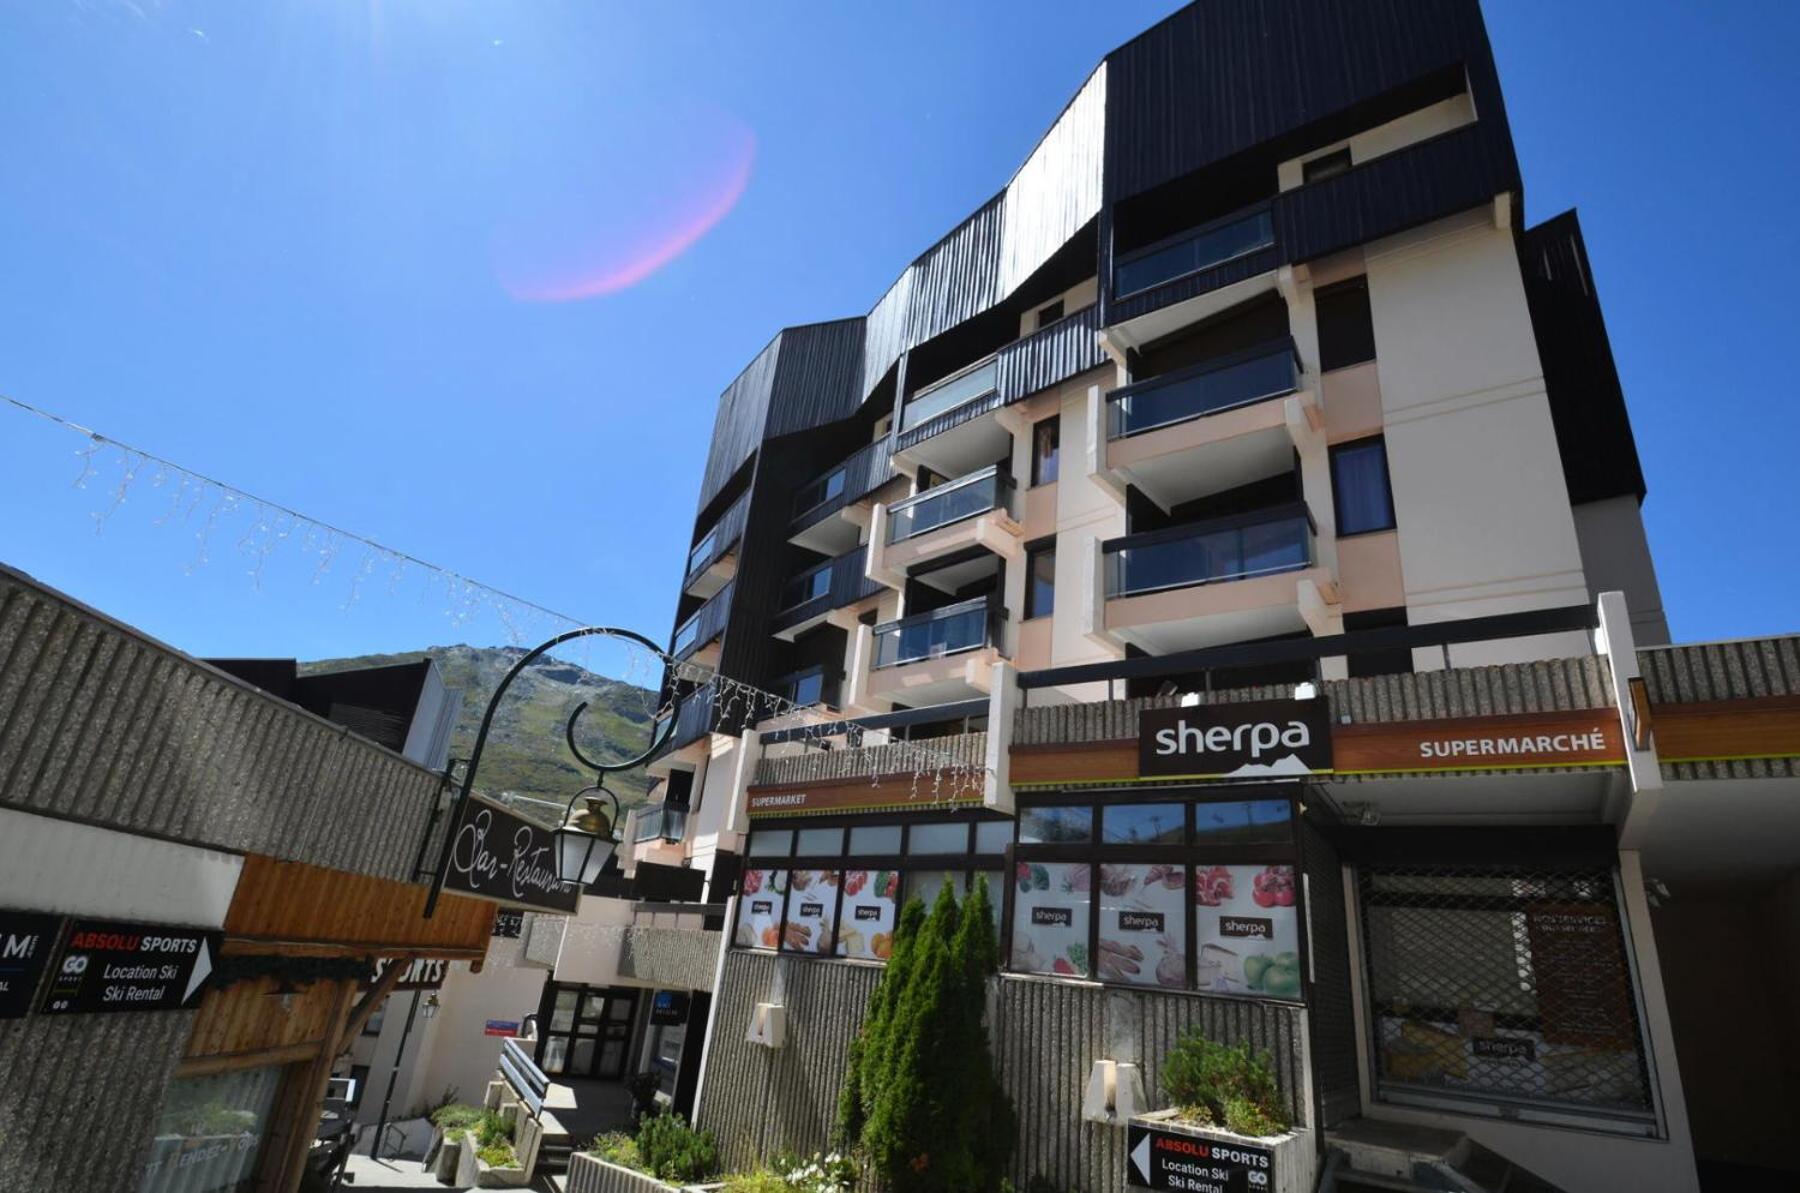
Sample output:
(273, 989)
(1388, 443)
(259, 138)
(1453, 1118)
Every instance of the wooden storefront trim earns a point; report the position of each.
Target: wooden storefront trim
(1727, 730)
(206, 1066)
(298, 904)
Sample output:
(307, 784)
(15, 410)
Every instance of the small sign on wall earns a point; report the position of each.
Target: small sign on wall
(107, 966)
(501, 1027)
(26, 942)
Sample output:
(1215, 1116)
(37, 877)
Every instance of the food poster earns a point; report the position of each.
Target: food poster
(1143, 935)
(1246, 928)
(811, 911)
(760, 907)
(1050, 917)
(866, 929)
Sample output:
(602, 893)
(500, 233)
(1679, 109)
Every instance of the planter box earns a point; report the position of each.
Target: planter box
(489, 1177)
(590, 1174)
(1210, 1158)
(456, 1162)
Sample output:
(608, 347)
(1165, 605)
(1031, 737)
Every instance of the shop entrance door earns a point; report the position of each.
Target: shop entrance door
(587, 1031)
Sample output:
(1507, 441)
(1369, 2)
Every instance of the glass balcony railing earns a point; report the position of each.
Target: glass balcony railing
(702, 552)
(686, 636)
(946, 396)
(1254, 375)
(968, 625)
(1191, 252)
(818, 492)
(966, 497)
(1222, 549)
(659, 821)
(807, 586)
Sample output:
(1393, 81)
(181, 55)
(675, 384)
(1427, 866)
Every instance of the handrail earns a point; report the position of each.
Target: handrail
(908, 422)
(1261, 212)
(906, 503)
(1187, 530)
(990, 607)
(1196, 406)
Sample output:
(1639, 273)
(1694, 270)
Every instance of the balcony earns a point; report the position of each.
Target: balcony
(950, 426)
(814, 595)
(712, 561)
(1217, 256)
(936, 657)
(705, 625)
(830, 511)
(956, 532)
(660, 822)
(1232, 579)
(1208, 428)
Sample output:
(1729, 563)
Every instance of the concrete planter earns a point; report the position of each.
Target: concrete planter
(489, 1177)
(590, 1174)
(456, 1162)
(1294, 1161)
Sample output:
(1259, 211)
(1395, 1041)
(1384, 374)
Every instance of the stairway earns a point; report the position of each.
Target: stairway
(1366, 1155)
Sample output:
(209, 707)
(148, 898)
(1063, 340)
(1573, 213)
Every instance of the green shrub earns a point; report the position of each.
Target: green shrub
(762, 1181)
(455, 1120)
(671, 1150)
(924, 1035)
(493, 1129)
(616, 1147)
(498, 1154)
(1224, 1085)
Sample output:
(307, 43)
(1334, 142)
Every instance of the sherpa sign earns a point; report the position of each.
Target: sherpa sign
(1263, 739)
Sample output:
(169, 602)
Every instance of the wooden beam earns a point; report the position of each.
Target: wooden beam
(383, 987)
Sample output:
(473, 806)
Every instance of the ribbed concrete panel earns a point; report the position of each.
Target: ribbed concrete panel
(588, 1175)
(1741, 670)
(822, 766)
(99, 723)
(670, 958)
(64, 1127)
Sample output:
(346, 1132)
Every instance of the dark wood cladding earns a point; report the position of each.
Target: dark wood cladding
(1051, 355)
(866, 469)
(966, 413)
(849, 584)
(1221, 77)
(1587, 405)
(959, 277)
(1453, 172)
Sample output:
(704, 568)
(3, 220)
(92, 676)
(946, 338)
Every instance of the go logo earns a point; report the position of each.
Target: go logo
(75, 965)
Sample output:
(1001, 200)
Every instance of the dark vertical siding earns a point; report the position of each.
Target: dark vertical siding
(1053, 354)
(738, 426)
(816, 376)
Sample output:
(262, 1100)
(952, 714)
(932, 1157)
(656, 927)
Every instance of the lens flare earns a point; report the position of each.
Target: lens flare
(606, 221)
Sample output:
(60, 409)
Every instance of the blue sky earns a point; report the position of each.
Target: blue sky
(468, 277)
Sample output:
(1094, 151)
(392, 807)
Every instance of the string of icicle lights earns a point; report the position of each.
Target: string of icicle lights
(212, 507)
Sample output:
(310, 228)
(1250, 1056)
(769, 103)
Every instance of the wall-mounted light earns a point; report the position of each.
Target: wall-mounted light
(429, 1008)
(1307, 690)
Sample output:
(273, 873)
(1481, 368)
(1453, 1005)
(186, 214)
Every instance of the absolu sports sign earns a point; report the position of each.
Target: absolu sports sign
(1260, 739)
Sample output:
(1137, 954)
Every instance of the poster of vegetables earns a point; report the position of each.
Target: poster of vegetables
(867, 928)
(1050, 918)
(811, 911)
(1143, 936)
(1246, 930)
(759, 909)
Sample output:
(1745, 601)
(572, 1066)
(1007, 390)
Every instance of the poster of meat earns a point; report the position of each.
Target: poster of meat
(1050, 917)
(759, 908)
(811, 911)
(866, 931)
(1246, 930)
(1143, 937)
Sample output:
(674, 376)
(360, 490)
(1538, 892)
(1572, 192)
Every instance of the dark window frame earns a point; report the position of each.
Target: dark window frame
(1387, 486)
(1346, 332)
(1326, 165)
(1053, 425)
(1033, 553)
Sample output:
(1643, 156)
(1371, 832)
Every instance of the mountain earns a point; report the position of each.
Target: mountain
(526, 754)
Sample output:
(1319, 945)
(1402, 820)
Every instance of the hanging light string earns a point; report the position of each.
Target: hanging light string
(273, 526)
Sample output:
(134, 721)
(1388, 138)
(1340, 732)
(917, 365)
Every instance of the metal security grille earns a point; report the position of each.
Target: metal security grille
(1509, 985)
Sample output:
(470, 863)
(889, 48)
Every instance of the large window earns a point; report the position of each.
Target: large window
(1346, 330)
(1359, 486)
(1040, 581)
(1156, 890)
(1046, 442)
(211, 1132)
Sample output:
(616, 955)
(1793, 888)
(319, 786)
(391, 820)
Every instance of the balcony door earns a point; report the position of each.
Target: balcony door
(587, 1031)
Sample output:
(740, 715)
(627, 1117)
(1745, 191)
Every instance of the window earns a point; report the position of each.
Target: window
(212, 1130)
(377, 1017)
(1050, 314)
(878, 840)
(820, 491)
(1051, 902)
(1359, 487)
(938, 838)
(1040, 582)
(820, 842)
(1143, 824)
(805, 689)
(993, 836)
(1056, 826)
(1326, 165)
(1045, 437)
(1346, 333)
(764, 843)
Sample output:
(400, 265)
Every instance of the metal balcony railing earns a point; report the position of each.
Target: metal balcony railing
(1212, 244)
(659, 821)
(966, 497)
(1239, 547)
(724, 533)
(967, 386)
(1253, 375)
(968, 625)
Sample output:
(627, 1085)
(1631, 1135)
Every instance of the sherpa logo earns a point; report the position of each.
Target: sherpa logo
(1261, 739)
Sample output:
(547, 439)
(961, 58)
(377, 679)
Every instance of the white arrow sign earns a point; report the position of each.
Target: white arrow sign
(1140, 1158)
(202, 967)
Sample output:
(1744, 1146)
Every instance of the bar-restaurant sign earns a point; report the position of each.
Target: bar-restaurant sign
(498, 855)
(1257, 739)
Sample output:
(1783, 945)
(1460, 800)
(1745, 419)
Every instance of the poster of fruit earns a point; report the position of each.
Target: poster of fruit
(1247, 930)
(866, 930)
(811, 911)
(760, 905)
(1050, 918)
(1143, 935)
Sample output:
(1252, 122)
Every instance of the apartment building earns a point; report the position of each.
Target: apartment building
(1254, 401)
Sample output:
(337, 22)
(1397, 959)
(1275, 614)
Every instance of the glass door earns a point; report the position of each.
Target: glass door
(587, 1032)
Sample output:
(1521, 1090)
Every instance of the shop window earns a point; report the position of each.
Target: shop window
(761, 908)
(866, 928)
(764, 843)
(1040, 581)
(1046, 439)
(924, 885)
(875, 840)
(811, 911)
(211, 1131)
(1246, 930)
(1056, 826)
(1346, 330)
(819, 842)
(1143, 933)
(1143, 824)
(938, 838)
(1051, 903)
(1359, 487)
(1243, 822)
(993, 836)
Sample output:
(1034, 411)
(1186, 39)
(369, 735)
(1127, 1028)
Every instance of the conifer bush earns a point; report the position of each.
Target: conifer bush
(921, 1101)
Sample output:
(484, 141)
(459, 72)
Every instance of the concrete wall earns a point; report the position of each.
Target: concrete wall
(1616, 557)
